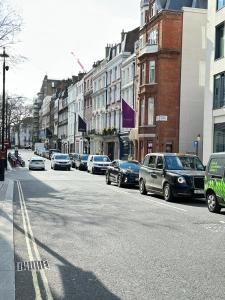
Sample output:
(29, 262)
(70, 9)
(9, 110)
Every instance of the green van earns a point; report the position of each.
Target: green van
(215, 182)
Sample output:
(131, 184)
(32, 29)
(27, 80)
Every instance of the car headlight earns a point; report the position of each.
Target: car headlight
(181, 180)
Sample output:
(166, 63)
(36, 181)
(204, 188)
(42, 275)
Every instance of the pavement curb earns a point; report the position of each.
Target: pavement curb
(7, 264)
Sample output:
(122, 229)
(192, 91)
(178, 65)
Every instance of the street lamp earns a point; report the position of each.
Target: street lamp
(5, 68)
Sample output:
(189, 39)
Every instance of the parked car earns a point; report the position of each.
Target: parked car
(36, 163)
(215, 182)
(73, 158)
(81, 162)
(45, 154)
(98, 163)
(27, 147)
(123, 173)
(172, 175)
(60, 161)
(40, 151)
(51, 152)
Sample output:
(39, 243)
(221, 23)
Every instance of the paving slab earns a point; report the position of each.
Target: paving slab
(7, 265)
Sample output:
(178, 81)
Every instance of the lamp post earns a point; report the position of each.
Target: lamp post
(3, 156)
(5, 68)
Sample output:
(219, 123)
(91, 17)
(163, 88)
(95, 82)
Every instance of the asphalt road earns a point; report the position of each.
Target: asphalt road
(104, 242)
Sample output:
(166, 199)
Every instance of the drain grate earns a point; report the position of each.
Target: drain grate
(32, 265)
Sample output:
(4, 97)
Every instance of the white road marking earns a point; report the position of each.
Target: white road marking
(42, 272)
(223, 222)
(147, 199)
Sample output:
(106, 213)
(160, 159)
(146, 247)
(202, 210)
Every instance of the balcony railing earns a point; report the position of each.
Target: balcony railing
(148, 48)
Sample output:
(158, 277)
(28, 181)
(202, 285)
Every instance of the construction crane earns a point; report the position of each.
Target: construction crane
(78, 61)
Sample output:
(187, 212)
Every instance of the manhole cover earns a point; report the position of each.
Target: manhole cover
(32, 265)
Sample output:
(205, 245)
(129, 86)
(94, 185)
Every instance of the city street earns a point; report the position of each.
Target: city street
(103, 242)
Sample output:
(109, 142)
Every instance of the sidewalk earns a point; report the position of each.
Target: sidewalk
(7, 265)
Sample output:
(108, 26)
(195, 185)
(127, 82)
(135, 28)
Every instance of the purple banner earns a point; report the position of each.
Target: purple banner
(128, 115)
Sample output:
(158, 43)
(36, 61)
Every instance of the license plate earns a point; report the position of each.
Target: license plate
(198, 191)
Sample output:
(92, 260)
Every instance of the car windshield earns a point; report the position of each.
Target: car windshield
(130, 165)
(63, 157)
(73, 156)
(184, 163)
(101, 158)
(37, 160)
(84, 157)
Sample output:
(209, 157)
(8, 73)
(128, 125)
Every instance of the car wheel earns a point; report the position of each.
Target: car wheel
(69, 169)
(54, 168)
(119, 181)
(168, 196)
(142, 187)
(212, 202)
(107, 179)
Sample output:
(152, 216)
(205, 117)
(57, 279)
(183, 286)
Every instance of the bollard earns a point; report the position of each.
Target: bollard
(2, 169)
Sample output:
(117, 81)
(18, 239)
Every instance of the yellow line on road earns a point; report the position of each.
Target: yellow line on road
(42, 272)
(30, 255)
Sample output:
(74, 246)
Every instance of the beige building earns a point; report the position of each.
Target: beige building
(214, 106)
(192, 80)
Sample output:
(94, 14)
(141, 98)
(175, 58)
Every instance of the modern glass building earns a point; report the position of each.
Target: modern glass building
(214, 108)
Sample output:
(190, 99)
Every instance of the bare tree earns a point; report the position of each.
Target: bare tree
(10, 24)
(16, 112)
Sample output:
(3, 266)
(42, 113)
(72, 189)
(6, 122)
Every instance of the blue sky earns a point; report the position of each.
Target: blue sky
(54, 28)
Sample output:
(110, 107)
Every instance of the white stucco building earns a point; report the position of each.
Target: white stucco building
(192, 80)
(79, 111)
(214, 108)
(71, 116)
(128, 94)
(98, 108)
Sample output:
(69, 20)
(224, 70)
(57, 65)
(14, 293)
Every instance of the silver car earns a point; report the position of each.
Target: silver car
(36, 163)
(60, 161)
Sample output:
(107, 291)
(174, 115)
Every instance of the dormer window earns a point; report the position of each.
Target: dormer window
(152, 9)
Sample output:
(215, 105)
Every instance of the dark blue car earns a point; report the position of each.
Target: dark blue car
(123, 173)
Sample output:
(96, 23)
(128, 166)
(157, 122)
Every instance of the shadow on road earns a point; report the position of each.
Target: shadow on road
(75, 282)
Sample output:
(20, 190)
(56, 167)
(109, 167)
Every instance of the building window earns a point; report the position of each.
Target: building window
(152, 71)
(153, 10)
(219, 137)
(219, 48)
(219, 91)
(142, 74)
(142, 112)
(153, 37)
(220, 4)
(150, 111)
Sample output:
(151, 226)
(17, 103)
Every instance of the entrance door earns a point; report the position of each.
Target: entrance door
(111, 147)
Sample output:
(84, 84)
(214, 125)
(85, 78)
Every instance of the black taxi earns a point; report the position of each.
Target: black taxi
(172, 175)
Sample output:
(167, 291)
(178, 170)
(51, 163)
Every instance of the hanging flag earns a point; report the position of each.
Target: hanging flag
(128, 115)
(82, 126)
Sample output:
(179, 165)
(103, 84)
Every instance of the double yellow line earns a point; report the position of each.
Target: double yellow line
(30, 241)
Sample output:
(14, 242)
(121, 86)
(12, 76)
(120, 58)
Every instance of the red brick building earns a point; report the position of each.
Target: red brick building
(159, 65)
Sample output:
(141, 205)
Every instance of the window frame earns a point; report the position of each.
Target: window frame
(217, 5)
(219, 52)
